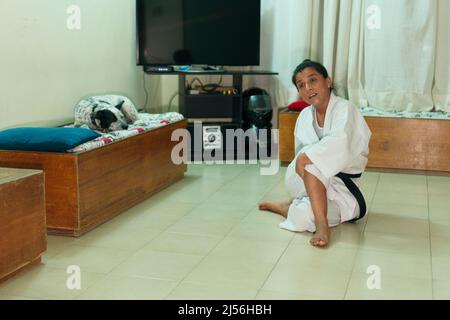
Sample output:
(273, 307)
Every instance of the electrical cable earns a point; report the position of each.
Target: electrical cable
(171, 100)
(146, 93)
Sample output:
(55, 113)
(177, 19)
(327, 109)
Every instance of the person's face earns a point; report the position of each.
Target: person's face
(313, 87)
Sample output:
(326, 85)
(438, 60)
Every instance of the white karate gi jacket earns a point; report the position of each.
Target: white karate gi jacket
(343, 148)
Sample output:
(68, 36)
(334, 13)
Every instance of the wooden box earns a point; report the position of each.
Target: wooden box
(23, 236)
(396, 143)
(86, 189)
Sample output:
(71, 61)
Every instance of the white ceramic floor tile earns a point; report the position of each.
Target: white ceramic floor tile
(263, 232)
(247, 273)
(220, 198)
(439, 207)
(440, 228)
(183, 243)
(266, 217)
(386, 223)
(400, 210)
(394, 264)
(441, 267)
(56, 244)
(337, 259)
(362, 286)
(4, 297)
(316, 280)
(441, 290)
(89, 259)
(439, 185)
(200, 226)
(198, 291)
(389, 197)
(440, 247)
(226, 211)
(44, 282)
(238, 249)
(128, 288)
(273, 295)
(117, 237)
(151, 219)
(396, 243)
(158, 264)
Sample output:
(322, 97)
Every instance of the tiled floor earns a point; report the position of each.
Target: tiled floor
(204, 238)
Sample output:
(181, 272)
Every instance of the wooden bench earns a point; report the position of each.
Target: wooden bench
(396, 143)
(84, 190)
(23, 236)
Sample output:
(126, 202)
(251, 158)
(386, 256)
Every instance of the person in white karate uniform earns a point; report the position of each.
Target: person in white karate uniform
(331, 148)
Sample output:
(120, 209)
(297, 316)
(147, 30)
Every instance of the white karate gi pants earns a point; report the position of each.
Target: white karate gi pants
(300, 215)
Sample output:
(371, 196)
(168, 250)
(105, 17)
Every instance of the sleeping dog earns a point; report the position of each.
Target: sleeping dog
(103, 113)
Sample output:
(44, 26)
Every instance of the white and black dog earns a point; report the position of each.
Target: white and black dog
(105, 113)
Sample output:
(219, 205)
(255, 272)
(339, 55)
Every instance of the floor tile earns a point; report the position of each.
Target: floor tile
(394, 264)
(441, 268)
(386, 223)
(320, 280)
(440, 247)
(198, 291)
(247, 273)
(363, 287)
(56, 244)
(400, 210)
(390, 197)
(273, 295)
(89, 259)
(440, 228)
(235, 249)
(263, 232)
(116, 237)
(396, 243)
(438, 185)
(183, 243)
(200, 226)
(337, 259)
(158, 265)
(441, 289)
(128, 288)
(211, 212)
(44, 282)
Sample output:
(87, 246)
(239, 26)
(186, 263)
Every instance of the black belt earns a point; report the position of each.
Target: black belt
(353, 188)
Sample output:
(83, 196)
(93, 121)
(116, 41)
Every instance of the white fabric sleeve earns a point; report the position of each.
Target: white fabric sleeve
(297, 142)
(333, 153)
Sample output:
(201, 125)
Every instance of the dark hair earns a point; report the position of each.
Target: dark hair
(309, 64)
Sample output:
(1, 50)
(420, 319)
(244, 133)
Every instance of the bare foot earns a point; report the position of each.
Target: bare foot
(321, 236)
(280, 208)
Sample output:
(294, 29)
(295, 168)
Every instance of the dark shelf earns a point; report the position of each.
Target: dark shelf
(223, 110)
(226, 72)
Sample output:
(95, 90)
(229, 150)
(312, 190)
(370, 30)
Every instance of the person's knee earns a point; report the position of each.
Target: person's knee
(314, 175)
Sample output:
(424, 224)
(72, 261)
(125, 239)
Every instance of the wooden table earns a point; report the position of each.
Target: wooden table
(23, 233)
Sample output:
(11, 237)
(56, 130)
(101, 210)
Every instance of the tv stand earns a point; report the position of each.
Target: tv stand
(224, 110)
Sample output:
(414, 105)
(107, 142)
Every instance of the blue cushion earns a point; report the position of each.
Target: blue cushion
(45, 139)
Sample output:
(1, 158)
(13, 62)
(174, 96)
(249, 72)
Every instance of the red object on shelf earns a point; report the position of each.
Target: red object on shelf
(298, 105)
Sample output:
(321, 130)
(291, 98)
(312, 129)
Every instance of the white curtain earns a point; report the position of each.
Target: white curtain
(392, 55)
(441, 89)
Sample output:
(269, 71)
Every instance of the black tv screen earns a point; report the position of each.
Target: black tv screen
(204, 32)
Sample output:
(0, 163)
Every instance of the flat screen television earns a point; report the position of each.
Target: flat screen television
(198, 32)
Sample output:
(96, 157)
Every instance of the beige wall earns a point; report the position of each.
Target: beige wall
(45, 68)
